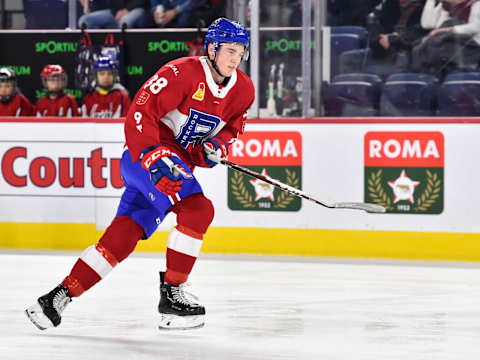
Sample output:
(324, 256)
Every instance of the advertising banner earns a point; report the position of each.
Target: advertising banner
(275, 154)
(60, 186)
(69, 172)
(404, 171)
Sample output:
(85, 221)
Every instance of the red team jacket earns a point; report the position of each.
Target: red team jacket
(17, 106)
(181, 106)
(64, 105)
(115, 104)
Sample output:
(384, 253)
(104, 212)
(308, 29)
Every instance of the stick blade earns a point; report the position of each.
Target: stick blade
(370, 208)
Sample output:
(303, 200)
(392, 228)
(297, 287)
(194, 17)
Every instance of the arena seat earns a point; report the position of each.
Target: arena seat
(459, 95)
(353, 94)
(345, 38)
(408, 94)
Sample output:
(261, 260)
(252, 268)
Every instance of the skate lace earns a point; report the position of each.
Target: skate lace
(180, 295)
(60, 300)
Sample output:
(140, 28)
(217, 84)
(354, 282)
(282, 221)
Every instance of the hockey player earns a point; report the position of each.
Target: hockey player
(56, 102)
(191, 109)
(12, 103)
(109, 99)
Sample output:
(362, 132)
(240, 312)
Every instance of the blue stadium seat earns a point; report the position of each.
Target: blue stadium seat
(352, 95)
(409, 94)
(345, 38)
(360, 31)
(459, 95)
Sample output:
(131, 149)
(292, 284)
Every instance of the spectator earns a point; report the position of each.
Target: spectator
(95, 5)
(393, 28)
(12, 102)
(109, 99)
(132, 13)
(454, 40)
(56, 102)
(348, 12)
(178, 13)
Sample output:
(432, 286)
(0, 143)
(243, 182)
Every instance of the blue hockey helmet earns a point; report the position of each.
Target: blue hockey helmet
(104, 63)
(224, 30)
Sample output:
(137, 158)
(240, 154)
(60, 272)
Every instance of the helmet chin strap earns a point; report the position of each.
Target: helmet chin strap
(54, 92)
(106, 88)
(5, 99)
(214, 64)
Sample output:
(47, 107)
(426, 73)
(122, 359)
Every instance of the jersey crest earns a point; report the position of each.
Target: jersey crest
(199, 125)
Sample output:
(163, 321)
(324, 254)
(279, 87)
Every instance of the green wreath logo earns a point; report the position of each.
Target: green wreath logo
(376, 191)
(286, 198)
(240, 192)
(431, 193)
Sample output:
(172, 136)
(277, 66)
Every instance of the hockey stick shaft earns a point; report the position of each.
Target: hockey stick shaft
(284, 187)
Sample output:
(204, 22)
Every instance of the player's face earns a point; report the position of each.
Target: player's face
(105, 78)
(229, 57)
(6, 89)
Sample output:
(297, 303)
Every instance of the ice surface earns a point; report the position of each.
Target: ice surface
(256, 309)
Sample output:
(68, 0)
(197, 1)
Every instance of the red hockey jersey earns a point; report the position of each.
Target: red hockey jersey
(64, 105)
(17, 106)
(115, 104)
(181, 106)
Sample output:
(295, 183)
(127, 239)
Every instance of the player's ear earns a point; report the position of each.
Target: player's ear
(211, 51)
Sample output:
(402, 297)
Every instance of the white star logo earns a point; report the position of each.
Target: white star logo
(263, 189)
(403, 188)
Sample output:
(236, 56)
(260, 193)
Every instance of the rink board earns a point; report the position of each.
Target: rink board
(43, 206)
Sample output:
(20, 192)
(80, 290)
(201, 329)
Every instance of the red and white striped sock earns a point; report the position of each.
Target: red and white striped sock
(183, 248)
(93, 265)
(118, 241)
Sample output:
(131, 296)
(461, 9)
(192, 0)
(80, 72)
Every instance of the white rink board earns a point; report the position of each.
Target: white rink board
(332, 171)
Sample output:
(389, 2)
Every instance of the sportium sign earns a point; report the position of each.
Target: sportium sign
(276, 154)
(404, 171)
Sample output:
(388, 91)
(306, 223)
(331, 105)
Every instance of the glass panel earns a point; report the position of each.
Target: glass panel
(280, 57)
(404, 58)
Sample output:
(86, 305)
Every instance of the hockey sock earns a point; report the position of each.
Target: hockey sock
(118, 241)
(194, 215)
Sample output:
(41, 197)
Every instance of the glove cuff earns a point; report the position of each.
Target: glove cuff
(149, 156)
(221, 143)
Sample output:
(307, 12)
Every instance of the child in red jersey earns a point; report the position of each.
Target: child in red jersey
(12, 103)
(109, 99)
(56, 102)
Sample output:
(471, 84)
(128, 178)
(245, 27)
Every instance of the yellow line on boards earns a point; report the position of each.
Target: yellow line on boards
(235, 240)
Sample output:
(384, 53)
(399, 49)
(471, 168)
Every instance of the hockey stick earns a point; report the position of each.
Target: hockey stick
(370, 208)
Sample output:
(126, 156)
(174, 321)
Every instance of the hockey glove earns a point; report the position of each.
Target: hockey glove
(215, 146)
(166, 169)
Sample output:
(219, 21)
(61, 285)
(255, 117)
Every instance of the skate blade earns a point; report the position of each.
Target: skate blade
(174, 322)
(38, 318)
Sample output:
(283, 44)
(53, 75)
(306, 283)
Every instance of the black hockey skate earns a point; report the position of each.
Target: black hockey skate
(46, 312)
(176, 310)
